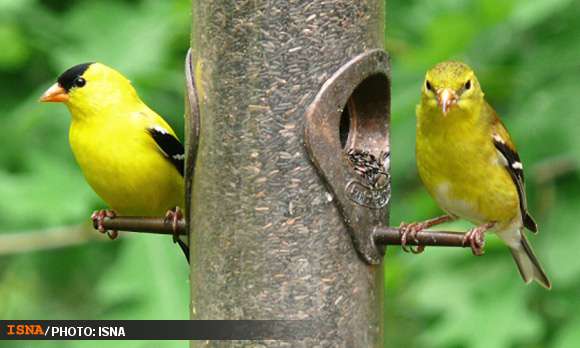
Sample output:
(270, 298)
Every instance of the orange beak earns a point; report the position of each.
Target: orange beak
(446, 98)
(55, 94)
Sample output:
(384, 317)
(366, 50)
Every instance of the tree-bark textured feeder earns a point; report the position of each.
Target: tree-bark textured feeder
(279, 93)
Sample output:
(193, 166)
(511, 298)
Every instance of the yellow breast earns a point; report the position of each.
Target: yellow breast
(123, 165)
(466, 180)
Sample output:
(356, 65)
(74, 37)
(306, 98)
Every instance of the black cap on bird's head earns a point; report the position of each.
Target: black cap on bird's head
(72, 77)
(68, 78)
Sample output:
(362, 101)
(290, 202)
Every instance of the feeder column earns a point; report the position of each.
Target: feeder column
(267, 239)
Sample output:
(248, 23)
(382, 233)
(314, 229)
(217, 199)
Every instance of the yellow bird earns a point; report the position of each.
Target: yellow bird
(469, 164)
(128, 153)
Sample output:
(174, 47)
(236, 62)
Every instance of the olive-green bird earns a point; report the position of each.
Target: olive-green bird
(469, 164)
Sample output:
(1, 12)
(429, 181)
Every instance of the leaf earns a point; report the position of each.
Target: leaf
(476, 306)
(15, 51)
(569, 335)
(150, 280)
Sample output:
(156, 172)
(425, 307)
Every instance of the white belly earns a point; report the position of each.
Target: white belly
(455, 206)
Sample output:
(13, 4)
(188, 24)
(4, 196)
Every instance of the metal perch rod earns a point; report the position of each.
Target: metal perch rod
(142, 224)
(392, 236)
(382, 235)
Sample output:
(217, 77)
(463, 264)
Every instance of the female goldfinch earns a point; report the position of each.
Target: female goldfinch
(469, 164)
(128, 154)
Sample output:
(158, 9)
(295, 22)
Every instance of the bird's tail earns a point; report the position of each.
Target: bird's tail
(184, 246)
(527, 262)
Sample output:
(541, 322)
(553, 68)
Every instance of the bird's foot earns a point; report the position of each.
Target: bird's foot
(476, 238)
(408, 231)
(99, 216)
(174, 216)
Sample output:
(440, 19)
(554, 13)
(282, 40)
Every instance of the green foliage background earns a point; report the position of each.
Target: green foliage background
(526, 54)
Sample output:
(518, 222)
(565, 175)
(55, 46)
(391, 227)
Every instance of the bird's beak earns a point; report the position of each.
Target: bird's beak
(446, 99)
(55, 94)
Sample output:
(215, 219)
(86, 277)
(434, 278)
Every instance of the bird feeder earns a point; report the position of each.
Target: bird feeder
(269, 208)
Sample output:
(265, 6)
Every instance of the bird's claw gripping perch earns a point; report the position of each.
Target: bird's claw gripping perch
(409, 231)
(476, 240)
(99, 216)
(174, 216)
(475, 237)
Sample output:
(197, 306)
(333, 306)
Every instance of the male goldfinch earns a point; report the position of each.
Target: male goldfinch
(469, 164)
(128, 153)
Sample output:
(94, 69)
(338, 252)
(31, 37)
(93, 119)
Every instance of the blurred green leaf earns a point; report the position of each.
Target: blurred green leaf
(14, 52)
(570, 335)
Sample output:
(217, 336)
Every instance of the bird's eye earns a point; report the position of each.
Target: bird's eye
(79, 82)
(467, 85)
(428, 86)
